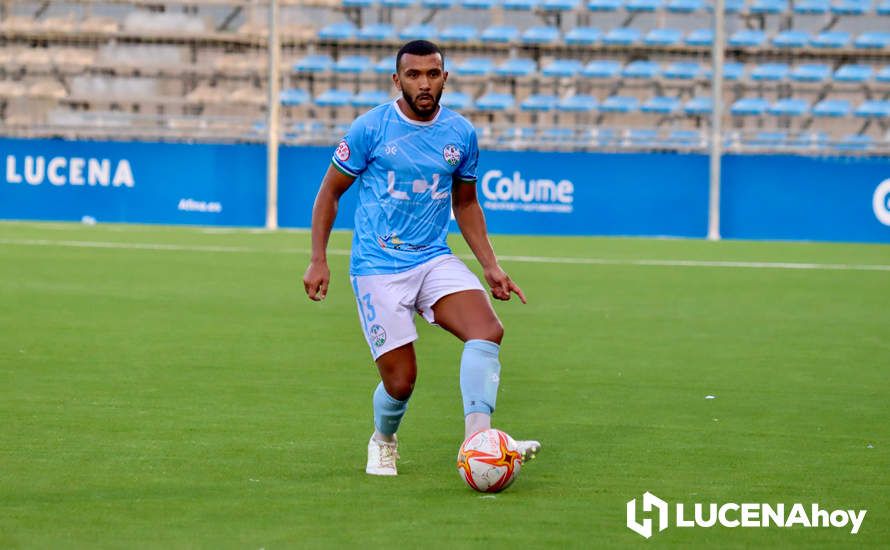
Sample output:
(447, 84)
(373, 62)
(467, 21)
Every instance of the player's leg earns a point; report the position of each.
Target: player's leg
(398, 372)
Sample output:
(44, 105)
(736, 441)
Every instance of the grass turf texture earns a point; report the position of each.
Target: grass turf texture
(196, 398)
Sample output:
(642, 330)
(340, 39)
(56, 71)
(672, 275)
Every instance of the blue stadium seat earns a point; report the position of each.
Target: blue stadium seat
(773, 138)
(458, 101)
(520, 5)
(746, 38)
(749, 106)
(832, 108)
(684, 6)
(604, 137)
(376, 32)
(699, 37)
(685, 138)
(791, 39)
(619, 104)
(317, 63)
(850, 7)
(642, 137)
(883, 75)
(770, 7)
(293, 97)
(353, 64)
(577, 104)
(495, 102)
(604, 5)
(883, 8)
(400, 4)
(358, 3)
(853, 73)
(562, 68)
(516, 67)
(540, 35)
(662, 37)
(418, 32)
(559, 5)
(500, 34)
(602, 68)
(730, 6)
(539, 102)
(582, 36)
(459, 33)
(337, 31)
(662, 105)
(682, 70)
(854, 142)
(811, 7)
(478, 4)
(558, 135)
(475, 66)
(700, 105)
(770, 72)
(873, 40)
(873, 108)
(641, 69)
(334, 98)
(731, 71)
(622, 36)
(371, 98)
(808, 140)
(637, 6)
(789, 107)
(386, 65)
(831, 40)
(811, 72)
(438, 4)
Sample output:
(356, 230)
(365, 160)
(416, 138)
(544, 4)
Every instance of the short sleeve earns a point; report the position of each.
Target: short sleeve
(466, 170)
(351, 155)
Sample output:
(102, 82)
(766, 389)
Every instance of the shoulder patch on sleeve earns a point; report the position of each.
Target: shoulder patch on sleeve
(342, 151)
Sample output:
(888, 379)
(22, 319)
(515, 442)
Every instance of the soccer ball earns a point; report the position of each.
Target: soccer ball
(488, 461)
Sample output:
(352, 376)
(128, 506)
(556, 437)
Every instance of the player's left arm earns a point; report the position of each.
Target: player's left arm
(471, 221)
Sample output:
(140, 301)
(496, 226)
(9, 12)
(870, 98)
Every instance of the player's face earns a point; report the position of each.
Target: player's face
(421, 79)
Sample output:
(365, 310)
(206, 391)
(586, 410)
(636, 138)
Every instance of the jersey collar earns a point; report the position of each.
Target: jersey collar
(395, 105)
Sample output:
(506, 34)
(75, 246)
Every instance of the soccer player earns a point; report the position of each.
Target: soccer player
(412, 159)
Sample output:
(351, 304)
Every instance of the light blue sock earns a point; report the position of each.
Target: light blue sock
(479, 376)
(388, 411)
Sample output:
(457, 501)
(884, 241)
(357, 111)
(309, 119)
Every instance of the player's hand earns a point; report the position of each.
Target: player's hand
(501, 284)
(316, 280)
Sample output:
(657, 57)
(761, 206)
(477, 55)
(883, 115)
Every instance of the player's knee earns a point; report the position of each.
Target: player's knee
(400, 388)
(494, 332)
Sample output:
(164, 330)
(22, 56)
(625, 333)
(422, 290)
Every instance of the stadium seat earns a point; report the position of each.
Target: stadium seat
(353, 64)
(730, 6)
(386, 65)
(477, 4)
(357, 3)
(558, 135)
(317, 63)
(811, 7)
(685, 138)
(602, 68)
(519, 5)
(577, 104)
(662, 37)
(604, 5)
(682, 70)
(398, 4)
(540, 35)
(850, 7)
(699, 37)
(661, 105)
(475, 66)
(457, 100)
(771, 7)
(377, 32)
(853, 73)
(622, 36)
(495, 102)
(334, 98)
(770, 72)
(684, 6)
(418, 32)
(731, 71)
(641, 69)
(873, 40)
(883, 7)
(516, 67)
(500, 34)
(811, 72)
(746, 38)
(832, 108)
(808, 140)
(294, 97)
(370, 98)
(883, 75)
(773, 139)
(559, 5)
(700, 105)
(789, 107)
(539, 102)
(337, 31)
(791, 39)
(749, 106)
(562, 68)
(831, 40)
(642, 137)
(638, 6)
(582, 36)
(437, 4)
(619, 104)
(459, 33)
(854, 142)
(873, 108)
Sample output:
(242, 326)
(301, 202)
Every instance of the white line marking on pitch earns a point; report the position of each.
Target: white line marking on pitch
(506, 258)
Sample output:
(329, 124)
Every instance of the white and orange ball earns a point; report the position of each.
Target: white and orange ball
(488, 461)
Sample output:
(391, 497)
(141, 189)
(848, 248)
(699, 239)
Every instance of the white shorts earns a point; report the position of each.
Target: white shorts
(387, 303)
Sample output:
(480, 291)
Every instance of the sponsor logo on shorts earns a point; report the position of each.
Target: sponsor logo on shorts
(451, 154)
(343, 151)
(378, 335)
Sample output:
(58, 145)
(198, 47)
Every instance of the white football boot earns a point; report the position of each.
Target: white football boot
(528, 449)
(382, 457)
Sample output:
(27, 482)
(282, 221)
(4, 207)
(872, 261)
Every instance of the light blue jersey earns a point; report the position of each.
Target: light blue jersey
(404, 171)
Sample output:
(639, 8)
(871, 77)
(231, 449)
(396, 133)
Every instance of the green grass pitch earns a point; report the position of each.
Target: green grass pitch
(174, 388)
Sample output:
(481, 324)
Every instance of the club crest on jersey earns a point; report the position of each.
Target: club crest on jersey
(451, 154)
(378, 335)
(343, 151)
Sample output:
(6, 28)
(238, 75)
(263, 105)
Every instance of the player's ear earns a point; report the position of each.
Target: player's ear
(395, 80)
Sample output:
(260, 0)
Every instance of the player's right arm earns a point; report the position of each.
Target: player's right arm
(318, 275)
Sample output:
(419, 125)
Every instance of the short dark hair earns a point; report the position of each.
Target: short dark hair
(418, 47)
